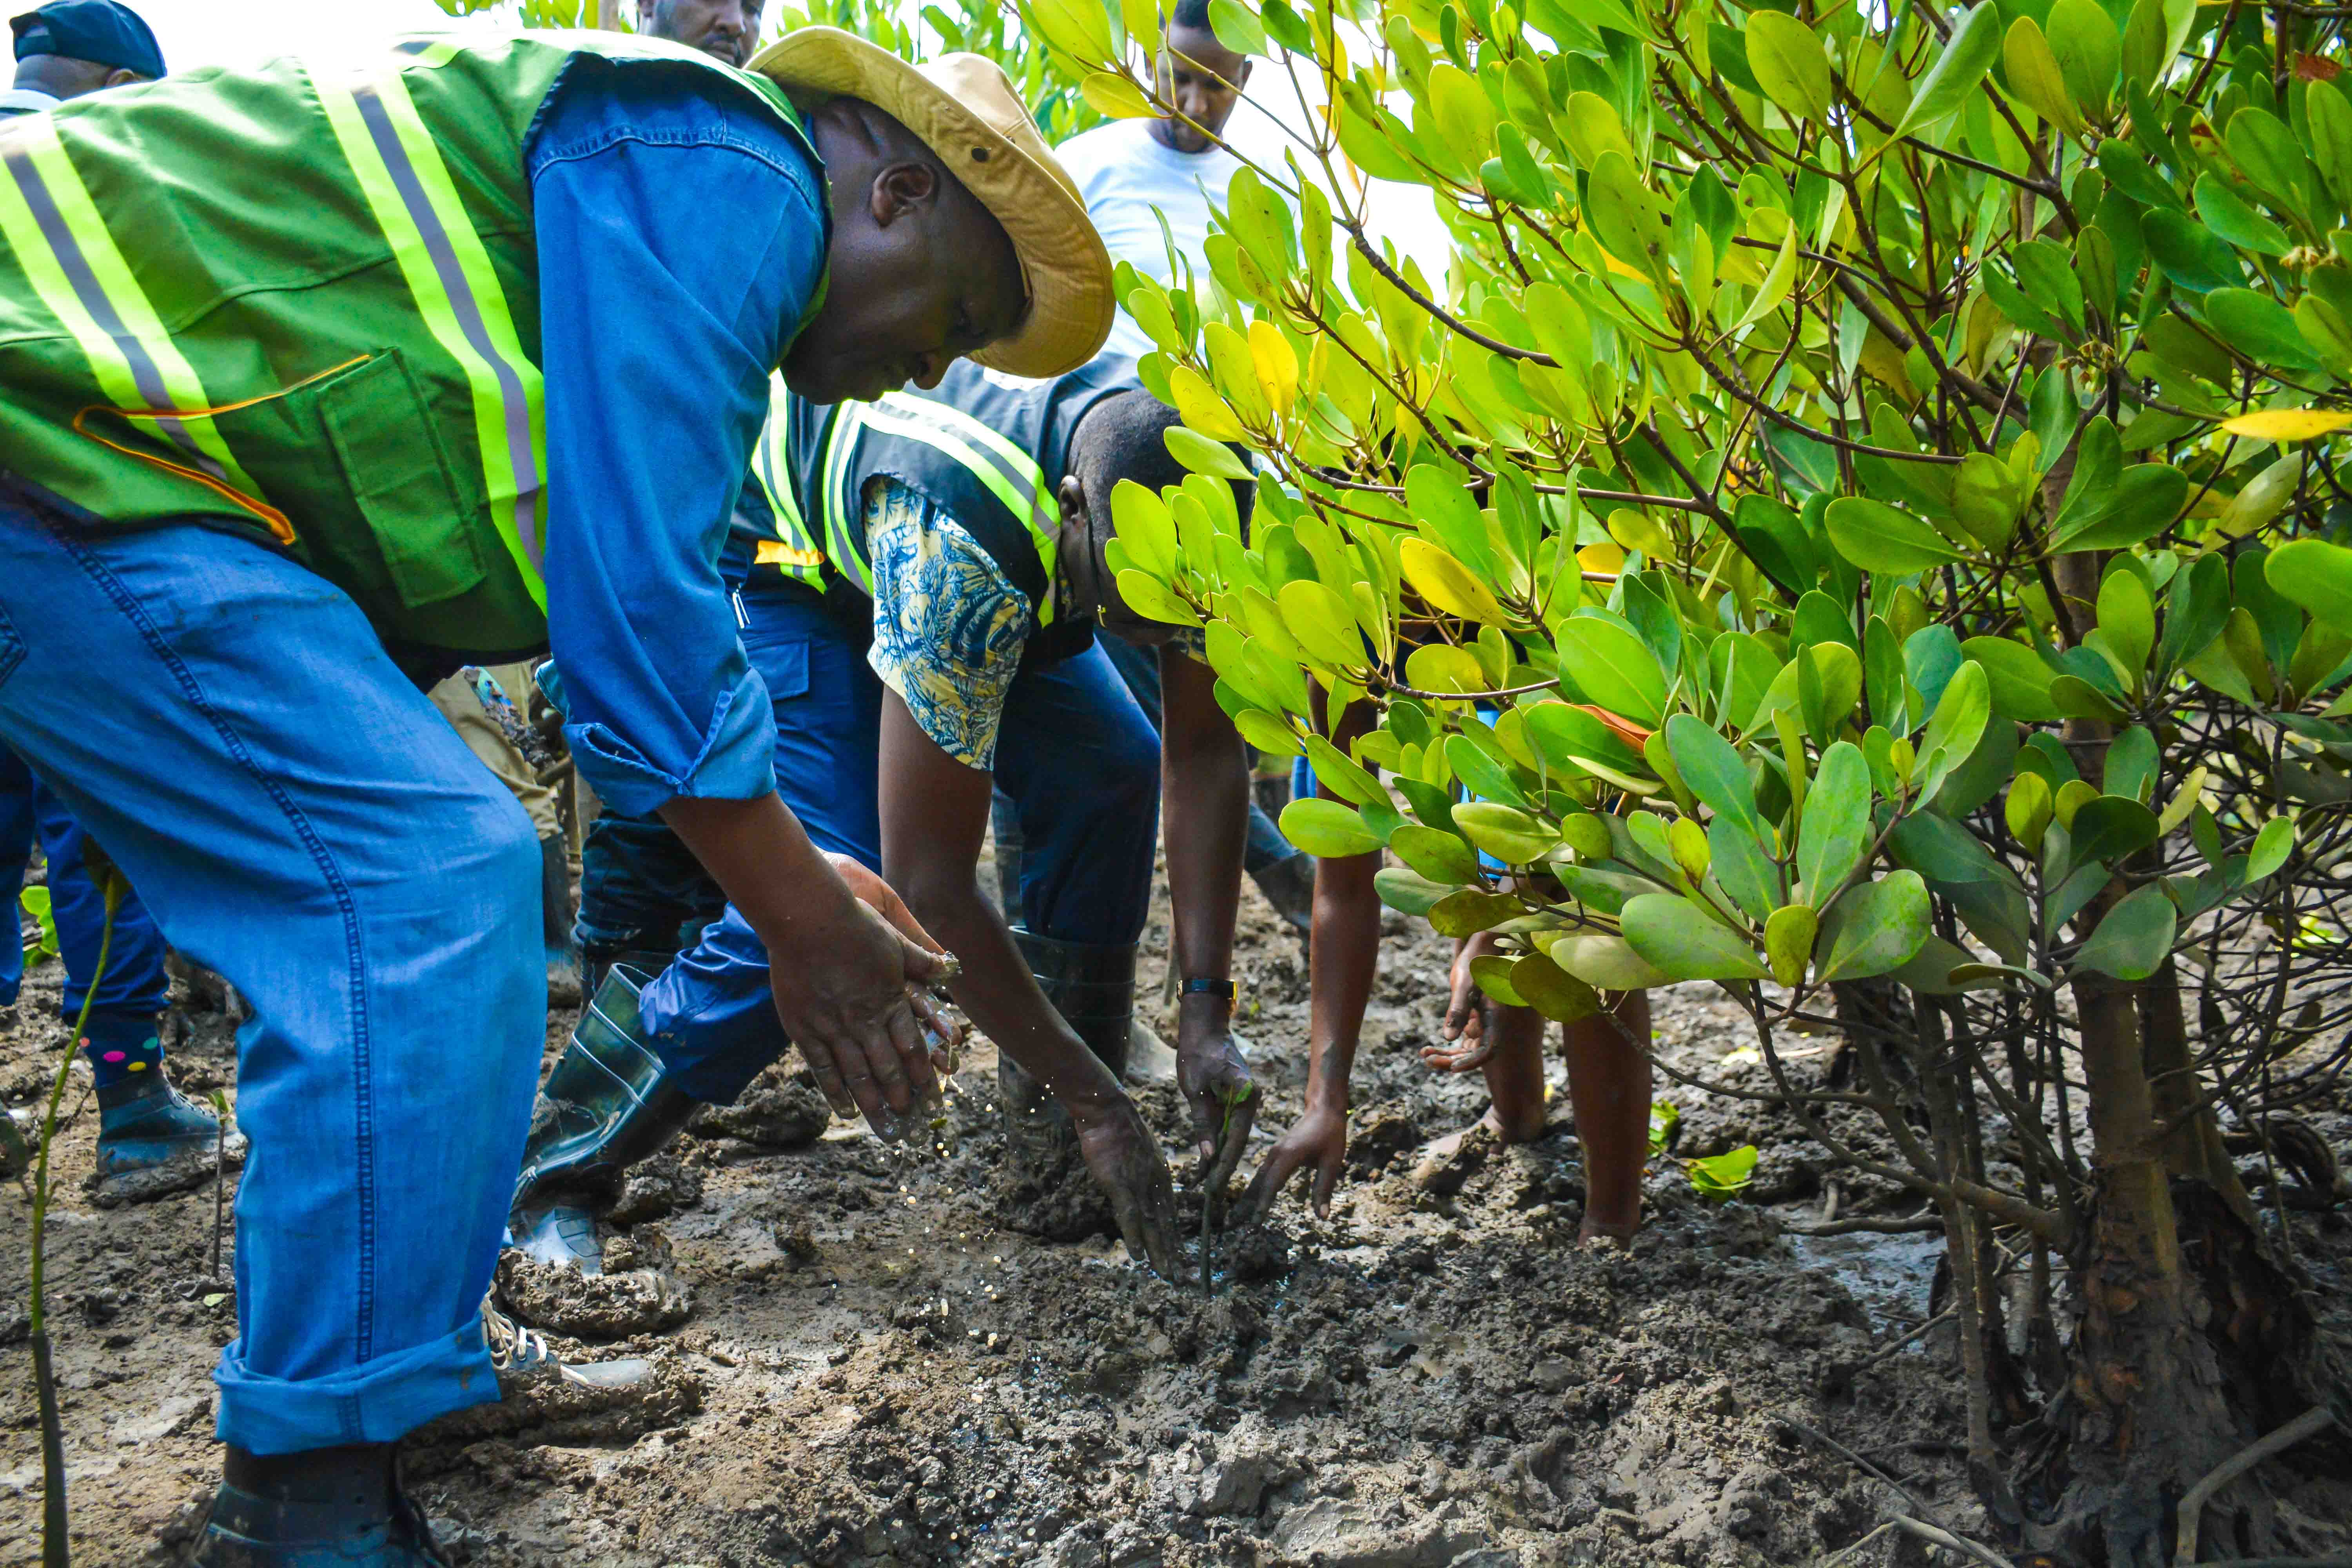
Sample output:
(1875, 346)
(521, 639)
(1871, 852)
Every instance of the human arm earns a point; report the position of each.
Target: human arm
(677, 238)
(847, 1003)
(1205, 796)
(1343, 959)
(934, 811)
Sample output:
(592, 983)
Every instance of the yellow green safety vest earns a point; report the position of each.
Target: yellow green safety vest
(304, 304)
(989, 450)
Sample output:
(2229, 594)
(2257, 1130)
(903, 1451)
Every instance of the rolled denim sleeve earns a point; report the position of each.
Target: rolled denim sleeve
(681, 234)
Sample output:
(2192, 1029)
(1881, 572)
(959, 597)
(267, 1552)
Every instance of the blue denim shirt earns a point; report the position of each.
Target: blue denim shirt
(681, 236)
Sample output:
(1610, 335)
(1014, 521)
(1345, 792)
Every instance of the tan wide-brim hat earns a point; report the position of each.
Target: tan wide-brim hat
(964, 109)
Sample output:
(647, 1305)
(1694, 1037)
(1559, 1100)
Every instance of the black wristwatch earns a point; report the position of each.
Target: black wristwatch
(1224, 988)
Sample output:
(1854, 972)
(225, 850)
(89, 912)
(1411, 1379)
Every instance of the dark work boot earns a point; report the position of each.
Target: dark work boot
(1092, 988)
(564, 978)
(154, 1140)
(1289, 885)
(327, 1508)
(605, 1108)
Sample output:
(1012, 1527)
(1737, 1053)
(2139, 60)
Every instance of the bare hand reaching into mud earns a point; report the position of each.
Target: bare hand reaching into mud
(841, 973)
(1124, 1159)
(1217, 1085)
(1317, 1141)
(868, 1034)
(1465, 1013)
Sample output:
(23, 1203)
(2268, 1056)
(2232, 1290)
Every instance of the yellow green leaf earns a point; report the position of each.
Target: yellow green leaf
(1775, 288)
(1150, 597)
(1448, 584)
(1789, 940)
(1117, 97)
(2288, 424)
(1789, 64)
(1203, 409)
(1321, 623)
(1276, 363)
(2034, 76)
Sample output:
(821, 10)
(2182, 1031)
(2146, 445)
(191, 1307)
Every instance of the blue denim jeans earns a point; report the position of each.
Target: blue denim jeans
(134, 984)
(1075, 753)
(298, 818)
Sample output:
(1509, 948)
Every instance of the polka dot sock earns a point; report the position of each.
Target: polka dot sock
(122, 1049)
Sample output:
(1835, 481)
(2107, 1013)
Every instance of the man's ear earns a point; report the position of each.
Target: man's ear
(123, 76)
(1071, 496)
(1242, 79)
(902, 190)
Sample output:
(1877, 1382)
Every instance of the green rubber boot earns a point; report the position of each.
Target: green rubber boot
(603, 1108)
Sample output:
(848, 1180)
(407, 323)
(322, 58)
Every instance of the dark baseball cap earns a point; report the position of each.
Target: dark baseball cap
(99, 31)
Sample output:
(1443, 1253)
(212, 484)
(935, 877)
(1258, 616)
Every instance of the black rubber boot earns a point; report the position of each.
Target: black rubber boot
(326, 1508)
(563, 977)
(605, 1108)
(1092, 988)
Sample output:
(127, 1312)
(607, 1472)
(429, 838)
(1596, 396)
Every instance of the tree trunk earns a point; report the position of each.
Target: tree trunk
(2193, 1146)
(2146, 1413)
(2149, 1408)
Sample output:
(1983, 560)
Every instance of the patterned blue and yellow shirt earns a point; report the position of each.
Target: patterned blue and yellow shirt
(940, 506)
(950, 624)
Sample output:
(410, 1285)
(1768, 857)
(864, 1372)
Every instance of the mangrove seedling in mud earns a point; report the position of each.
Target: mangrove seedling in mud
(1214, 1178)
(1858, 520)
(55, 1551)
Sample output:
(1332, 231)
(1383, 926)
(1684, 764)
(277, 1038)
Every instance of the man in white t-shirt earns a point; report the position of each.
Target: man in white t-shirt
(1131, 173)
(1135, 172)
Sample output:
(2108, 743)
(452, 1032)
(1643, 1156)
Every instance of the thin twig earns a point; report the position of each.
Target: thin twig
(1909, 1224)
(1919, 1528)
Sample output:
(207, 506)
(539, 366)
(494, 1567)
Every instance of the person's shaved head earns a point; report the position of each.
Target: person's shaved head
(1124, 437)
(726, 30)
(920, 273)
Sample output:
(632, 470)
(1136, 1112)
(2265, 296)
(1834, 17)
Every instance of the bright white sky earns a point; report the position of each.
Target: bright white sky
(238, 32)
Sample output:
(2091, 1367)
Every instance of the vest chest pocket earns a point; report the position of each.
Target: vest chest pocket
(350, 472)
(398, 477)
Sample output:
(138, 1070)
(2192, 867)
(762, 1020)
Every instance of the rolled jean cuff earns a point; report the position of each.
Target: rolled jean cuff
(379, 1401)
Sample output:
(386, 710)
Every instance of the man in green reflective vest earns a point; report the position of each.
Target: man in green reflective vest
(319, 383)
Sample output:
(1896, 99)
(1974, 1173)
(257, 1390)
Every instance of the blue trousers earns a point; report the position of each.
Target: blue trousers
(134, 984)
(1074, 752)
(1140, 668)
(298, 818)
(640, 887)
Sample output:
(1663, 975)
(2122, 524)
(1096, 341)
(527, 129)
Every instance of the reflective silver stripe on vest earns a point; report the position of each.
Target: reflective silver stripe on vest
(514, 398)
(145, 373)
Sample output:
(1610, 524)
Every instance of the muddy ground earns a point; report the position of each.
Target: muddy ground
(871, 1372)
